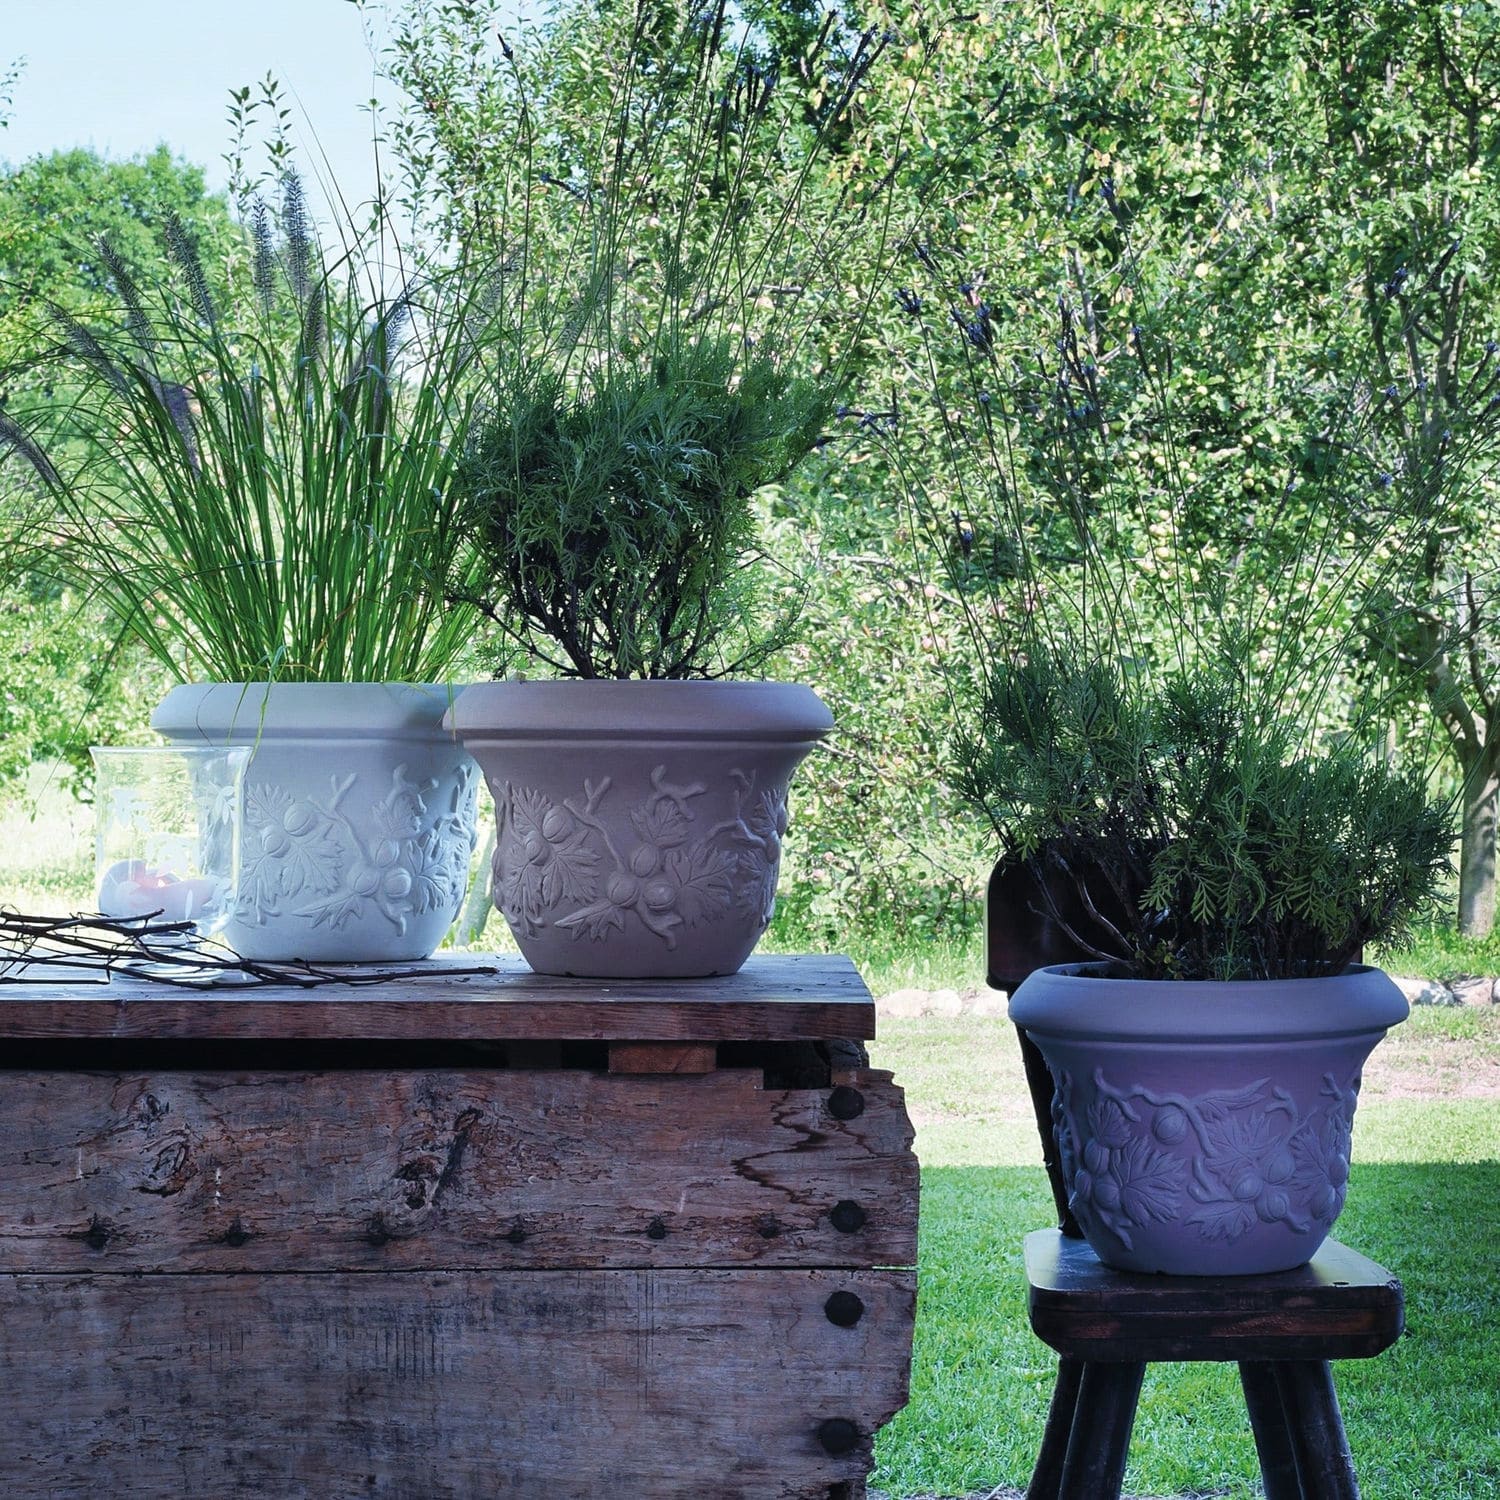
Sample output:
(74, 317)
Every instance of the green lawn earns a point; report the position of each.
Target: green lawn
(1423, 1419)
(1439, 953)
(46, 847)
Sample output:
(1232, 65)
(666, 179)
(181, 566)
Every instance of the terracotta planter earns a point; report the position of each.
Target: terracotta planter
(1204, 1128)
(359, 815)
(639, 823)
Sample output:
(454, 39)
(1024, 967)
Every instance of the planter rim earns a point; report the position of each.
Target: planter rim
(1068, 1000)
(778, 712)
(320, 710)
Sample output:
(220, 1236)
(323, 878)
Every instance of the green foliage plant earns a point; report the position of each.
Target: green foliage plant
(256, 481)
(672, 322)
(1176, 753)
(617, 524)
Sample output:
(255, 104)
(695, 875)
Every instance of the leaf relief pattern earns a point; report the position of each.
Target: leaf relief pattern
(565, 864)
(313, 858)
(543, 858)
(1220, 1161)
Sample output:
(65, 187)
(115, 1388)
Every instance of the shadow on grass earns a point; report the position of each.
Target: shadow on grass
(1422, 1418)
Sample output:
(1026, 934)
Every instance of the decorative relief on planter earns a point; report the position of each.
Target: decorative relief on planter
(1217, 1162)
(342, 857)
(586, 866)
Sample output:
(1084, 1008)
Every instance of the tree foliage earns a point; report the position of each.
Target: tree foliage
(55, 210)
(66, 686)
(1293, 207)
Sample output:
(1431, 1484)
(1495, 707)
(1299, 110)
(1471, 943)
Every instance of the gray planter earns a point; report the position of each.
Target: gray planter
(359, 815)
(1204, 1128)
(639, 824)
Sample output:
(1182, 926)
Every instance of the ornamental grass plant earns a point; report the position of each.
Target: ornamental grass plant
(1179, 736)
(252, 464)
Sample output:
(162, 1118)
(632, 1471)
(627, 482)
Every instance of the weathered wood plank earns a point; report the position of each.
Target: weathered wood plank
(774, 997)
(641, 1385)
(662, 1057)
(375, 1170)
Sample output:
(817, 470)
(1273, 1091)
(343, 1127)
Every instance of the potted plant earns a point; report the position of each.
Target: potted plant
(1184, 798)
(254, 473)
(653, 384)
(641, 800)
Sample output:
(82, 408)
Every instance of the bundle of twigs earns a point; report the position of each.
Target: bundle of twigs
(58, 950)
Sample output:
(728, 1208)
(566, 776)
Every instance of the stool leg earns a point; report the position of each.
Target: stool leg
(1325, 1466)
(1278, 1467)
(1095, 1465)
(1046, 1477)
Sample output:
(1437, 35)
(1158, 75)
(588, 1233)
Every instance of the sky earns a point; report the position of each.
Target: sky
(122, 76)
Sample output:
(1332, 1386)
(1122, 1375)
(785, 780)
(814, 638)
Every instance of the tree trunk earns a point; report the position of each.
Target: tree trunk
(1476, 861)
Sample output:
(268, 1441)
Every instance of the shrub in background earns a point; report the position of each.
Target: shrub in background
(672, 329)
(1156, 741)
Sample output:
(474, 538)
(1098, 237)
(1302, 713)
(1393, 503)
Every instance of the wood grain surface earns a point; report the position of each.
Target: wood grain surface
(455, 1235)
(502, 1168)
(1340, 1305)
(774, 997)
(565, 1385)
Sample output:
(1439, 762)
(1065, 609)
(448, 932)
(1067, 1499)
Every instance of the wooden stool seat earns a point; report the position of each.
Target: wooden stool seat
(1281, 1329)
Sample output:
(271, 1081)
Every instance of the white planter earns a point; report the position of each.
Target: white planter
(1204, 1128)
(359, 815)
(639, 823)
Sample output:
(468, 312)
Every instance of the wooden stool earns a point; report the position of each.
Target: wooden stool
(1108, 1325)
(1282, 1330)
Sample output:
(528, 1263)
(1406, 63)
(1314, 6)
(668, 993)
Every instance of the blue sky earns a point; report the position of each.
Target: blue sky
(123, 76)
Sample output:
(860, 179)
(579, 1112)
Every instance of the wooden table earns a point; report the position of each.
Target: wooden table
(452, 1236)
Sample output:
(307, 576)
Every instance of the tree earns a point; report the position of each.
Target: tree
(1390, 133)
(55, 209)
(8, 76)
(1306, 200)
(1237, 183)
(66, 684)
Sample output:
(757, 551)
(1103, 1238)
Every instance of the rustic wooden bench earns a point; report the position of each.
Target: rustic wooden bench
(453, 1236)
(1107, 1325)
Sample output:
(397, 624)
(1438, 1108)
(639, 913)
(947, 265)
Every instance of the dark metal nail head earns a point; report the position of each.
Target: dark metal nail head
(845, 1103)
(847, 1216)
(839, 1436)
(844, 1309)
